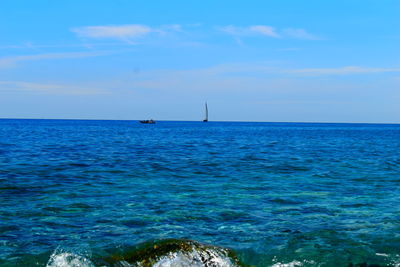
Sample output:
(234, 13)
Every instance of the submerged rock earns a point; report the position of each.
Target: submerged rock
(174, 252)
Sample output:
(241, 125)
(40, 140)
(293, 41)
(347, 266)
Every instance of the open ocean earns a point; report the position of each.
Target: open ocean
(121, 193)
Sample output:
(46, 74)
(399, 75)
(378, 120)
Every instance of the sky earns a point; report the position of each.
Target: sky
(278, 61)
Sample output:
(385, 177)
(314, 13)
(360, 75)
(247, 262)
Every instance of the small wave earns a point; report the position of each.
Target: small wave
(67, 259)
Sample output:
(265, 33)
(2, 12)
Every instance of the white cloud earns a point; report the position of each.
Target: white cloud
(269, 31)
(251, 30)
(348, 70)
(300, 34)
(264, 30)
(124, 32)
(7, 62)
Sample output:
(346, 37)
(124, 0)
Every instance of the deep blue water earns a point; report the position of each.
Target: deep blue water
(274, 193)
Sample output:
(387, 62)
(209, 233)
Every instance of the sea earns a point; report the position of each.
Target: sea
(177, 193)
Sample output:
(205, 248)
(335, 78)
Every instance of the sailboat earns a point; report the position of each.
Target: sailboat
(206, 119)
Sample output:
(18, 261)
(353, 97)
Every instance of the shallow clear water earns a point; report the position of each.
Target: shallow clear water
(274, 193)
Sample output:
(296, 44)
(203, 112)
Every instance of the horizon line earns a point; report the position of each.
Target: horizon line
(86, 119)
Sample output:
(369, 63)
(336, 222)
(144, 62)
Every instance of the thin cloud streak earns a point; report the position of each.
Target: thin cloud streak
(268, 31)
(263, 30)
(229, 78)
(299, 34)
(81, 45)
(8, 62)
(117, 32)
(348, 70)
(49, 88)
(268, 68)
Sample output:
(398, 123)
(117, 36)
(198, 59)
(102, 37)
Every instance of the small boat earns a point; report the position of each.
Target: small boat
(206, 119)
(148, 121)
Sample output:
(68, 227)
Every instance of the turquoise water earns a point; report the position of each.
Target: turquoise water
(275, 194)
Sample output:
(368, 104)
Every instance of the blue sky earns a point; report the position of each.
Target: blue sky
(309, 61)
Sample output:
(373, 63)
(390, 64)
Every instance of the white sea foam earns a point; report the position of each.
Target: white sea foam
(195, 258)
(396, 260)
(382, 254)
(289, 264)
(294, 263)
(67, 259)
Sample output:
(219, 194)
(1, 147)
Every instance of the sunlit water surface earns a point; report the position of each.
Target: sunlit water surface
(277, 194)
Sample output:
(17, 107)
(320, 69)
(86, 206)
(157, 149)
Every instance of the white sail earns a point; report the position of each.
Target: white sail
(206, 119)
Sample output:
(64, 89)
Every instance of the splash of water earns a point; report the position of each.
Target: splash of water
(67, 259)
(195, 258)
